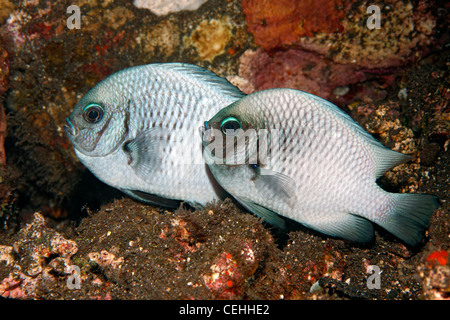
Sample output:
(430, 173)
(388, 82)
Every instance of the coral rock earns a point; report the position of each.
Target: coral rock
(4, 70)
(339, 31)
(43, 253)
(277, 23)
(105, 258)
(210, 38)
(435, 275)
(296, 69)
(163, 7)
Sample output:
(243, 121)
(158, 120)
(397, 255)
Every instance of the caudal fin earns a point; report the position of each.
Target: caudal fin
(410, 216)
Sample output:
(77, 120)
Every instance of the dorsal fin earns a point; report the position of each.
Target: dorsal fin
(202, 74)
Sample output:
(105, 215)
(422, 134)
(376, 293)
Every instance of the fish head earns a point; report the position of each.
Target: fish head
(98, 123)
(231, 136)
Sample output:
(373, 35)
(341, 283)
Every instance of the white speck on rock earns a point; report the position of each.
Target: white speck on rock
(163, 7)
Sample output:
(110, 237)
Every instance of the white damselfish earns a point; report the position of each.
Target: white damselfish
(286, 152)
(137, 131)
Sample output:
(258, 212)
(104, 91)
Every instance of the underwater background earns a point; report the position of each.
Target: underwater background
(388, 67)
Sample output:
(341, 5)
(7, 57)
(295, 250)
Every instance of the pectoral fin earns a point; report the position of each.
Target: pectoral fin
(271, 184)
(146, 149)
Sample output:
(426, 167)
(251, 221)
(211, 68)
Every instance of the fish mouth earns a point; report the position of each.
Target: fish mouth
(70, 129)
(206, 133)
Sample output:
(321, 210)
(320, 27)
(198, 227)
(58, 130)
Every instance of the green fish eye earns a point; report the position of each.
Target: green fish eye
(93, 113)
(230, 123)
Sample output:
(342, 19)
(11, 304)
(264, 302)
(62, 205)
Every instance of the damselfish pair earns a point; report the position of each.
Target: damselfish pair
(281, 153)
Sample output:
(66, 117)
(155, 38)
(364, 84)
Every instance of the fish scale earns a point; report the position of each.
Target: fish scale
(146, 143)
(325, 173)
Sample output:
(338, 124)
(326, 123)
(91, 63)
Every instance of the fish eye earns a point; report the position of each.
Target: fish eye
(93, 113)
(228, 124)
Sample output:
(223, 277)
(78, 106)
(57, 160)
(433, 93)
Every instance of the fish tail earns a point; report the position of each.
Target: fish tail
(409, 216)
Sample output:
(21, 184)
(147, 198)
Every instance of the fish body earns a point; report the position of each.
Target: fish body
(137, 131)
(313, 164)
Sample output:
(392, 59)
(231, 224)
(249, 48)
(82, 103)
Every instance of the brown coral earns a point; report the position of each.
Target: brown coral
(283, 22)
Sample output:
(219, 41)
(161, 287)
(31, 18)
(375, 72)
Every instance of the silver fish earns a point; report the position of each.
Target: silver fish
(137, 131)
(287, 152)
